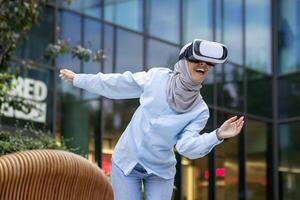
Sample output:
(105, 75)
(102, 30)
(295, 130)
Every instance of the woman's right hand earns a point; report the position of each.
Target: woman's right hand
(67, 75)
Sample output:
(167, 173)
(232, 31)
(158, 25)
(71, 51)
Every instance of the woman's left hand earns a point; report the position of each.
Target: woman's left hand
(230, 128)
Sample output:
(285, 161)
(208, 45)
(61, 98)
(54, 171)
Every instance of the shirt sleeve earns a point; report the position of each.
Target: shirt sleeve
(125, 85)
(193, 145)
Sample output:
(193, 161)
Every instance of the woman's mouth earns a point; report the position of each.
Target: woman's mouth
(200, 71)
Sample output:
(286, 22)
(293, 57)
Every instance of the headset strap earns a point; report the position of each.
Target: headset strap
(187, 51)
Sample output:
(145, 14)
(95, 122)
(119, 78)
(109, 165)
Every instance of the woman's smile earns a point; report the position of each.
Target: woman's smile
(198, 71)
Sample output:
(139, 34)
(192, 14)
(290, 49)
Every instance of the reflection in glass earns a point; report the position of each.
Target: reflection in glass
(67, 96)
(88, 7)
(288, 36)
(289, 95)
(289, 163)
(218, 20)
(197, 20)
(126, 13)
(161, 55)
(256, 163)
(108, 48)
(69, 29)
(207, 90)
(163, 19)
(38, 38)
(258, 23)
(195, 178)
(128, 58)
(230, 87)
(259, 93)
(289, 185)
(92, 40)
(227, 163)
(232, 30)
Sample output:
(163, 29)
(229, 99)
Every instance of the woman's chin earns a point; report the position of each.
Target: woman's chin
(198, 78)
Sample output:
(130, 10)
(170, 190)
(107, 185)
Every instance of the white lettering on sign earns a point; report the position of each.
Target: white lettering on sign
(33, 92)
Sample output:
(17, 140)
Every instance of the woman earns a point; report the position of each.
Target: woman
(171, 113)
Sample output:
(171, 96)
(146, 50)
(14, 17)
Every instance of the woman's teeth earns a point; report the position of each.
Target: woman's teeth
(200, 71)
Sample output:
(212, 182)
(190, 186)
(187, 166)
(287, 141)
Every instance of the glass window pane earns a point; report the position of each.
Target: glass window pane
(161, 55)
(194, 180)
(126, 13)
(227, 155)
(259, 93)
(108, 48)
(256, 161)
(230, 86)
(38, 39)
(92, 40)
(207, 90)
(289, 163)
(197, 20)
(128, 58)
(88, 7)
(232, 23)
(289, 96)
(163, 19)
(69, 29)
(219, 19)
(258, 22)
(288, 36)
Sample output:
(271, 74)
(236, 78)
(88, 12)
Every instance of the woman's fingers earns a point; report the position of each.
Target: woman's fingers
(240, 121)
(237, 122)
(231, 119)
(65, 73)
(241, 125)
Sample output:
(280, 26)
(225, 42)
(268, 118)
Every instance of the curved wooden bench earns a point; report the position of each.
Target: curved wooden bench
(51, 174)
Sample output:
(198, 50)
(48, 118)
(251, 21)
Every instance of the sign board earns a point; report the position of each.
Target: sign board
(33, 92)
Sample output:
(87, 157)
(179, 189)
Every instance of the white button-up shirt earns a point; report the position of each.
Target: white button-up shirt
(154, 128)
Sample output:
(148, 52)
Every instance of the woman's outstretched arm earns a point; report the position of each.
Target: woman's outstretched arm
(125, 85)
(193, 145)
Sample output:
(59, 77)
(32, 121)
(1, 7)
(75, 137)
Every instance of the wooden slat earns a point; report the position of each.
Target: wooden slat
(51, 175)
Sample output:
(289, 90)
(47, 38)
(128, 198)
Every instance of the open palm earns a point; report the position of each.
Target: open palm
(231, 127)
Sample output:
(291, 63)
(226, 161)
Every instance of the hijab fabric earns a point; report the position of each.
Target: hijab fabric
(183, 94)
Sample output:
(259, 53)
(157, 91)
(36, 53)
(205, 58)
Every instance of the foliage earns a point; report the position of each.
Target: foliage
(80, 52)
(53, 50)
(16, 20)
(37, 139)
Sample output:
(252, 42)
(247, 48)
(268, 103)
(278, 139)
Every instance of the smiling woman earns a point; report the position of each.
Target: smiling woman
(172, 113)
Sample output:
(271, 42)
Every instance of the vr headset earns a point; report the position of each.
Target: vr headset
(202, 50)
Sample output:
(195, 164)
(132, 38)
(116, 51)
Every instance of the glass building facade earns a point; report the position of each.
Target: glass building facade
(260, 81)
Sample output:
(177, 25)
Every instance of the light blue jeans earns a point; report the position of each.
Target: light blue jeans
(129, 187)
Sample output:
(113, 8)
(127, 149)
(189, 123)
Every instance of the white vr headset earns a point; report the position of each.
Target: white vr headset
(203, 50)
